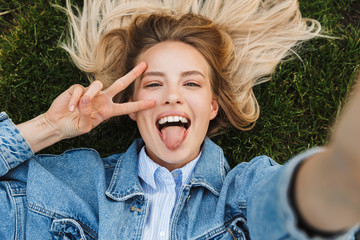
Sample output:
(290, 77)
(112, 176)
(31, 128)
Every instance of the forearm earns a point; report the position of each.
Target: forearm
(39, 133)
(326, 195)
(327, 186)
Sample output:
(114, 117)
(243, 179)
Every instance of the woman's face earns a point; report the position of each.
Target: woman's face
(178, 79)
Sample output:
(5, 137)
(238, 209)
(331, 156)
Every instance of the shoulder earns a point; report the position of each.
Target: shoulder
(72, 162)
(78, 155)
(245, 176)
(69, 158)
(256, 166)
(82, 171)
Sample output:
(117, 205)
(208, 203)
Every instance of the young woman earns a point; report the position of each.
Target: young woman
(188, 76)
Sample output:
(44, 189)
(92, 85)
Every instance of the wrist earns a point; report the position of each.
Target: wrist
(40, 133)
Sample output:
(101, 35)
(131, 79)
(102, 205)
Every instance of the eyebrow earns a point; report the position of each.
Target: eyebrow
(189, 73)
(150, 74)
(161, 74)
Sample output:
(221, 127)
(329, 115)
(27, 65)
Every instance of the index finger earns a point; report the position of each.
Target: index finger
(131, 107)
(123, 82)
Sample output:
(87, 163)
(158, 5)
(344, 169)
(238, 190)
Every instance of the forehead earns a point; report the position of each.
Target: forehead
(172, 57)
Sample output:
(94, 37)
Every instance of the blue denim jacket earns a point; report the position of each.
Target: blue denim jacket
(79, 195)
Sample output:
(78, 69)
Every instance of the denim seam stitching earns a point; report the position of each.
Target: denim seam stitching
(4, 160)
(19, 212)
(212, 233)
(113, 179)
(51, 214)
(226, 223)
(125, 196)
(15, 210)
(16, 192)
(178, 208)
(43, 211)
(205, 184)
(242, 204)
(221, 166)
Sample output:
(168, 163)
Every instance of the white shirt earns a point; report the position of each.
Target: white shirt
(162, 189)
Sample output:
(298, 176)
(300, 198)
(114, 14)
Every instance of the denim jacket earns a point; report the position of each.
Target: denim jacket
(79, 195)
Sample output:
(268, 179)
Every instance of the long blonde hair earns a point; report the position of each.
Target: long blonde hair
(250, 38)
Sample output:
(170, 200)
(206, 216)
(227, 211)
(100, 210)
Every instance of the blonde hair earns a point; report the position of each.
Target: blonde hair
(243, 41)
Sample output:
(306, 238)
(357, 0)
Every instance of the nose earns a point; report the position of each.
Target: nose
(173, 96)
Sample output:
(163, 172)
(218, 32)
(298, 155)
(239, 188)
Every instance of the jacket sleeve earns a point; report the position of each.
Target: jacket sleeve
(14, 150)
(270, 211)
(13, 147)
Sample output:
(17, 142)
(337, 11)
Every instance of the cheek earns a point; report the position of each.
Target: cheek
(145, 95)
(144, 121)
(201, 105)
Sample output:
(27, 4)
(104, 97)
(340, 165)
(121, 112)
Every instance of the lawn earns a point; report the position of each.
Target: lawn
(298, 106)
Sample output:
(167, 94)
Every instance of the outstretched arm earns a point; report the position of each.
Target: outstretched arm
(78, 110)
(327, 186)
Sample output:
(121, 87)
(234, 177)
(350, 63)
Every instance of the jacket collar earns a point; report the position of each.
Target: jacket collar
(209, 172)
(125, 182)
(212, 168)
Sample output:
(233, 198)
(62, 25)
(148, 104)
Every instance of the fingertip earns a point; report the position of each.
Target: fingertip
(140, 68)
(149, 104)
(152, 103)
(71, 108)
(76, 92)
(142, 64)
(98, 83)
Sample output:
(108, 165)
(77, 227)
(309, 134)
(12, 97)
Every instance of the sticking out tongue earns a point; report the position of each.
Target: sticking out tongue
(173, 136)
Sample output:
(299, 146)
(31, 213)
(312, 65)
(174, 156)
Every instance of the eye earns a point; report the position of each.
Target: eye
(150, 85)
(192, 84)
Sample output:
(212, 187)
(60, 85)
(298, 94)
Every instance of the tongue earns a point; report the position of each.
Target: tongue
(173, 136)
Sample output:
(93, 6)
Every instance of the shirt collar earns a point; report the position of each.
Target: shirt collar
(209, 171)
(149, 171)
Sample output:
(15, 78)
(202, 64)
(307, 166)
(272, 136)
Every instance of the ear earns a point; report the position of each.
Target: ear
(132, 115)
(214, 109)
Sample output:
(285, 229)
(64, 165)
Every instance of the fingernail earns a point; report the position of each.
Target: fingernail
(85, 101)
(72, 107)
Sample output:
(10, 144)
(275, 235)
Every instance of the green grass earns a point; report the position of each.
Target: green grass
(298, 106)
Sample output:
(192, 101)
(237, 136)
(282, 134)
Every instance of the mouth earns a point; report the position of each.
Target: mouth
(171, 121)
(173, 130)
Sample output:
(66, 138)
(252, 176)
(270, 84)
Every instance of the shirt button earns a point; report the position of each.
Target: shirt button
(162, 234)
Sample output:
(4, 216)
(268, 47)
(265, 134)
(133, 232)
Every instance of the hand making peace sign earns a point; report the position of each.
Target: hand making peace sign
(78, 110)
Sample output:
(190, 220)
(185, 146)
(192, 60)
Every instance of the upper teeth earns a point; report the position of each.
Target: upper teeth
(172, 119)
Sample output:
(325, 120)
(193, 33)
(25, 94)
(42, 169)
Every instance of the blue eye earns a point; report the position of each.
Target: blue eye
(153, 85)
(192, 84)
